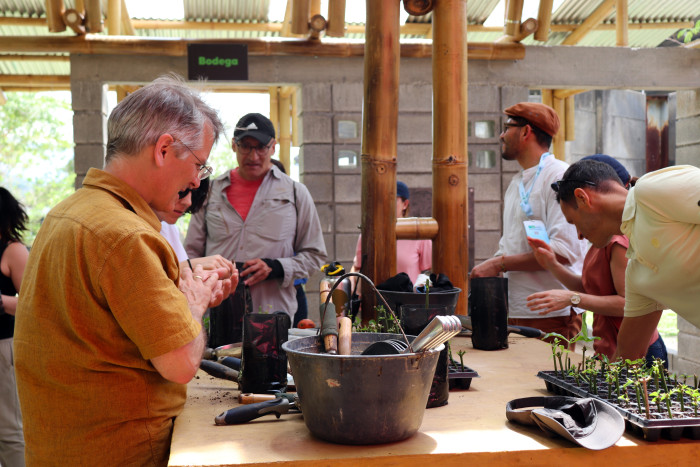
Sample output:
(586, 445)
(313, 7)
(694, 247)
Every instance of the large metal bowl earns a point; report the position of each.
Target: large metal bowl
(361, 399)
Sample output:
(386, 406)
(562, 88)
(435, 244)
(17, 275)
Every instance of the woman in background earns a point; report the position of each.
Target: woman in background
(13, 258)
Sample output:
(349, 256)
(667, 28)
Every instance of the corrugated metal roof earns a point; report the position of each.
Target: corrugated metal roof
(247, 12)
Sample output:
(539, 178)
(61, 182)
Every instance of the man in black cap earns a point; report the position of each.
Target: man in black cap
(526, 138)
(260, 218)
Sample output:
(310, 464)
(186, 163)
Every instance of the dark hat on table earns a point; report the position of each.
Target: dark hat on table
(539, 115)
(614, 163)
(402, 190)
(256, 126)
(589, 422)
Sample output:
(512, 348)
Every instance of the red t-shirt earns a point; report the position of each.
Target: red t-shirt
(241, 193)
(597, 280)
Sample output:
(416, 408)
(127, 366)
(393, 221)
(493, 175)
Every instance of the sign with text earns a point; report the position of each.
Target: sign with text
(217, 62)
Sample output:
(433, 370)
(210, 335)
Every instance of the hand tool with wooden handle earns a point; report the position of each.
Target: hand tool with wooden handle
(250, 398)
(344, 335)
(218, 370)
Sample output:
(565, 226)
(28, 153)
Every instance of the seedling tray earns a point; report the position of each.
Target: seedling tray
(458, 379)
(650, 429)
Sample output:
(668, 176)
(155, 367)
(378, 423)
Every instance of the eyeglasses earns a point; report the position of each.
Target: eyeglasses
(557, 185)
(204, 170)
(507, 126)
(245, 148)
(183, 193)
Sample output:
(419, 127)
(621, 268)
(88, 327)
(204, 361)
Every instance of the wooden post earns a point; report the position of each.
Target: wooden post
(621, 23)
(54, 15)
(450, 183)
(379, 137)
(544, 20)
(559, 142)
(284, 134)
(295, 118)
(569, 111)
(114, 17)
(514, 11)
(547, 97)
(300, 16)
(336, 18)
(93, 15)
(274, 109)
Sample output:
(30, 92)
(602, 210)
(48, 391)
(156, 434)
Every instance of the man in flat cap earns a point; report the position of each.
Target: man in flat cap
(526, 138)
(262, 219)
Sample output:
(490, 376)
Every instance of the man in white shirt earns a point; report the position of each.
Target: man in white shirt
(526, 138)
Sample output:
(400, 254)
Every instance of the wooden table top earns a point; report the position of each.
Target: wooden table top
(471, 427)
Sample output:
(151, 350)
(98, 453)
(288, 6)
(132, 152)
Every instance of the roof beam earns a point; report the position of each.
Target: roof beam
(39, 81)
(129, 45)
(590, 23)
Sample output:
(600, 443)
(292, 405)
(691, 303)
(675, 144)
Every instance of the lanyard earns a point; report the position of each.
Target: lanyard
(525, 195)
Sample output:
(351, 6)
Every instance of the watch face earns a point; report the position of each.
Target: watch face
(575, 299)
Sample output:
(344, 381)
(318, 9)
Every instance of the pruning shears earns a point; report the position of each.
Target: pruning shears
(281, 404)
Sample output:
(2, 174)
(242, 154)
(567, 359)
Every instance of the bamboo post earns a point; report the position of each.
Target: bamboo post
(559, 141)
(590, 23)
(54, 15)
(621, 23)
(274, 108)
(286, 30)
(317, 24)
(544, 20)
(80, 6)
(569, 111)
(336, 18)
(74, 20)
(528, 27)
(114, 17)
(295, 118)
(514, 11)
(412, 228)
(284, 134)
(450, 183)
(379, 145)
(314, 7)
(127, 27)
(547, 97)
(93, 15)
(300, 16)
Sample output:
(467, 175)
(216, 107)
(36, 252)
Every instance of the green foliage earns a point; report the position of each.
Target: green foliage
(687, 35)
(386, 322)
(36, 159)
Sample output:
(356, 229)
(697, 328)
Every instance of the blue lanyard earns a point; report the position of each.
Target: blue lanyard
(525, 195)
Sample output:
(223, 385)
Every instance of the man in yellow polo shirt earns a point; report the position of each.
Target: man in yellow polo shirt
(661, 218)
(108, 329)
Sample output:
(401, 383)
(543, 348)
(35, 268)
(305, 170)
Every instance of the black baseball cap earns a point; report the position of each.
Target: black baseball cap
(256, 126)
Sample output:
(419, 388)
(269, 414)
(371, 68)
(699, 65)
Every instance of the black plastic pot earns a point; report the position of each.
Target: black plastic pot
(361, 399)
(396, 299)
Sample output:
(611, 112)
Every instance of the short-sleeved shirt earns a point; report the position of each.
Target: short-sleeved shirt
(597, 280)
(99, 300)
(661, 218)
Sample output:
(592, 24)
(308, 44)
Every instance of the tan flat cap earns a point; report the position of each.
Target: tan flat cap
(539, 115)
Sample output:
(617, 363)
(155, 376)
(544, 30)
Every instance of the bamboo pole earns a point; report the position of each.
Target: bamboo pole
(54, 15)
(317, 24)
(114, 17)
(336, 18)
(450, 157)
(621, 22)
(559, 141)
(295, 118)
(569, 111)
(3, 97)
(35, 58)
(75, 21)
(314, 7)
(274, 108)
(528, 27)
(544, 20)
(564, 93)
(93, 16)
(285, 133)
(286, 29)
(379, 145)
(134, 45)
(127, 27)
(591, 22)
(514, 12)
(413, 228)
(300, 16)
(34, 80)
(547, 95)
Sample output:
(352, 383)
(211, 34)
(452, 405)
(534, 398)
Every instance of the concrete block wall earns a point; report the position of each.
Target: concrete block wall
(688, 152)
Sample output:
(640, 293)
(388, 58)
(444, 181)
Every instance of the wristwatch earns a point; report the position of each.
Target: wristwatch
(575, 299)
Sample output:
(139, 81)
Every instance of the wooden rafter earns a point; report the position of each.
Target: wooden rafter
(34, 80)
(590, 23)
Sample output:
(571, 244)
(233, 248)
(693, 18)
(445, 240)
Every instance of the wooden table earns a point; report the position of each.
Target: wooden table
(472, 428)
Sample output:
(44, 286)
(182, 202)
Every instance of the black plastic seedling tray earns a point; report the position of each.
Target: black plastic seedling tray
(458, 379)
(649, 429)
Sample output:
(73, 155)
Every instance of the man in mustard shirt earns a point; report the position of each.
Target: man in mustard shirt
(661, 217)
(108, 329)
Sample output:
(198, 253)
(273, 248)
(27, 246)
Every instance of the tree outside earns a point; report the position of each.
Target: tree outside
(36, 155)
